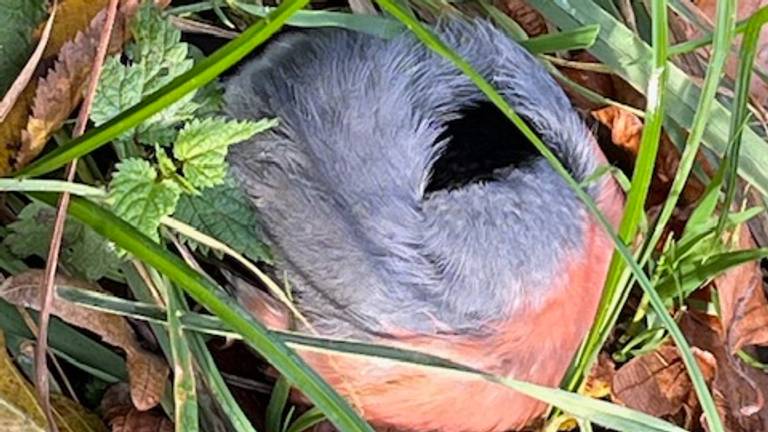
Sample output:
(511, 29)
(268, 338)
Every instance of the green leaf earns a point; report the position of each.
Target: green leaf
(157, 56)
(140, 198)
(120, 87)
(83, 252)
(18, 19)
(158, 48)
(223, 212)
(202, 146)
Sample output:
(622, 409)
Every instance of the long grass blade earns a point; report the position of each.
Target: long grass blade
(204, 292)
(600, 412)
(430, 40)
(611, 301)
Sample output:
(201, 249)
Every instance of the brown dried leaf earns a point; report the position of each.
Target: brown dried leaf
(122, 416)
(52, 99)
(600, 83)
(626, 128)
(148, 373)
(69, 13)
(72, 417)
(759, 89)
(598, 383)
(529, 19)
(626, 133)
(657, 383)
(20, 411)
(59, 92)
(737, 388)
(743, 306)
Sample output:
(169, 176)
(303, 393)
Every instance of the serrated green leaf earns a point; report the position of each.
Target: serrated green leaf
(223, 212)
(158, 48)
(120, 87)
(202, 146)
(83, 252)
(157, 56)
(140, 198)
(18, 19)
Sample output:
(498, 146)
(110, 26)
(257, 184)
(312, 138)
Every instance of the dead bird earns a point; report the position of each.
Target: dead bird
(407, 211)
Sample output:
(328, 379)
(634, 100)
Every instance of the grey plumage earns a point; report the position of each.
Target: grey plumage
(341, 183)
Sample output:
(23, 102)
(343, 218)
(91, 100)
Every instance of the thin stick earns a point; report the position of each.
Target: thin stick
(46, 294)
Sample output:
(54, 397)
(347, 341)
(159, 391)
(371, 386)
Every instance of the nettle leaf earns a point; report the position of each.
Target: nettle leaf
(156, 57)
(202, 146)
(158, 48)
(140, 197)
(18, 19)
(84, 253)
(224, 213)
(119, 88)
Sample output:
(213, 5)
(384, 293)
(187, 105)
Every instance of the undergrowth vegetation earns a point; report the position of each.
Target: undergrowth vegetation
(156, 223)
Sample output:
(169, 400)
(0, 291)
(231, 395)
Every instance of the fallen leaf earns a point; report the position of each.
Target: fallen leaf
(743, 306)
(529, 19)
(20, 411)
(70, 12)
(72, 417)
(626, 128)
(657, 383)
(46, 103)
(147, 372)
(600, 83)
(599, 382)
(737, 388)
(122, 416)
(21, 81)
(59, 92)
(626, 133)
(758, 89)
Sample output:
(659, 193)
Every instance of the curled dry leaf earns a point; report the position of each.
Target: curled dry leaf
(147, 372)
(743, 306)
(626, 133)
(598, 383)
(657, 383)
(20, 411)
(122, 416)
(738, 389)
(529, 19)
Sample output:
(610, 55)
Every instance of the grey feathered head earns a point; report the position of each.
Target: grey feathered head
(386, 203)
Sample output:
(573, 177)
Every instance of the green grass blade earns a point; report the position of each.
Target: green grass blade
(277, 402)
(305, 421)
(35, 185)
(686, 354)
(606, 414)
(184, 383)
(578, 38)
(739, 108)
(200, 74)
(611, 301)
(204, 292)
(372, 24)
(627, 55)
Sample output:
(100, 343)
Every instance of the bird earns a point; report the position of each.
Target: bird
(405, 209)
